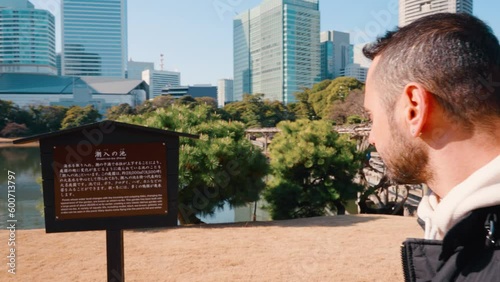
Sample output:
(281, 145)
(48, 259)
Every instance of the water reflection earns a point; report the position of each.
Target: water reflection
(25, 162)
(239, 214)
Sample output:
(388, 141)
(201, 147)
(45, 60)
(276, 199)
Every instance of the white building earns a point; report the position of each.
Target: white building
(410, 10)
(356, 71)
(157, 80)
(27, 38)
(224, 92)
(135, 69)
(94, 38)
(359, 57)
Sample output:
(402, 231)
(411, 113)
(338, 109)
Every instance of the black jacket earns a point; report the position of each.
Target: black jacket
(470, 251)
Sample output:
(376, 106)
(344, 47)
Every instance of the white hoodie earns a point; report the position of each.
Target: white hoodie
(481, 189)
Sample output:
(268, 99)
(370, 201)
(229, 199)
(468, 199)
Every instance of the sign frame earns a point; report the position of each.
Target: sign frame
(81, 140)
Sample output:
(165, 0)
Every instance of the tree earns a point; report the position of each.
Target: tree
(7, 109)
(313, 169)
(186, 100)
(13, 129)
(350, 110)
(256, 112)
(116, 111)
(10, 112)
(77, 116)
(46, 118)
(221, 167)
(302, 108)
(153, 104)
(324, 94)
(146, 107)
(163, 101)
(207, 101)
(275, 112)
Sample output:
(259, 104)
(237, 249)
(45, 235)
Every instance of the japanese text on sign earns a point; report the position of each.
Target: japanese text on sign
(115, 180)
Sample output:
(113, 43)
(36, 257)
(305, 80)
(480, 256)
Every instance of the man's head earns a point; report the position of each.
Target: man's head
(444, 65)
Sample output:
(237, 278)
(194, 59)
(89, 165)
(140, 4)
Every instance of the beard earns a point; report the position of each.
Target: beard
(407, 159)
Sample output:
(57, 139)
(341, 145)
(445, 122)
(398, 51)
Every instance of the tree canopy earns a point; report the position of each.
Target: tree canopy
(77, 116)
(115, 112)
(327, 97)
(46, 118)
(7, 112)
(222, 166)
(313, 170)
(256, 112)
(33, 119)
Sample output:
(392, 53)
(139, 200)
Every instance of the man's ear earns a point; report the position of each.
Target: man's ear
(416, 101)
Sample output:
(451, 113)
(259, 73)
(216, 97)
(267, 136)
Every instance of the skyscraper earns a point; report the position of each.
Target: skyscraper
(336, 53)
(410, 10)
(27, 38)
(94, 37)
(277, 49)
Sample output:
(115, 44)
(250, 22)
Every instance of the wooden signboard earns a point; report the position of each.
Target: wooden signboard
(109, 176)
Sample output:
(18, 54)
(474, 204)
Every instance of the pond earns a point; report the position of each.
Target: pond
(25, 163)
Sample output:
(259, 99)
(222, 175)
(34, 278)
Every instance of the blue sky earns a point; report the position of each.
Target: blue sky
(196, 36)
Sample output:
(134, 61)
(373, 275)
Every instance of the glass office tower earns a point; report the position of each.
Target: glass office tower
(336, 53)
(27, 38)
(94, 37)
(241, 56)
(277, 49)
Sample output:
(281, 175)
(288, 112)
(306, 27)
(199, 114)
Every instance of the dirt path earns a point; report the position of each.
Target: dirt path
(342, 248)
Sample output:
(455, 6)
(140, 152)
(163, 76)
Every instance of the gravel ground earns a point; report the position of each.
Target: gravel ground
(339, 248)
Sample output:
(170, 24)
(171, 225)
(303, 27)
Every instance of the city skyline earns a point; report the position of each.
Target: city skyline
(196, 36)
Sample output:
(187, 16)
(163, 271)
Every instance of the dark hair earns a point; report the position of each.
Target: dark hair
(456, 57)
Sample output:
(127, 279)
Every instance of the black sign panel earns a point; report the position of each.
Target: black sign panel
(110, 180)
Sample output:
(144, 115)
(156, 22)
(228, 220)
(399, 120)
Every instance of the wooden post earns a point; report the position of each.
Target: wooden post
(114, 254)
(254, 218)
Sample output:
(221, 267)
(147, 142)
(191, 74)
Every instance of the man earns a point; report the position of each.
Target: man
(434, 99)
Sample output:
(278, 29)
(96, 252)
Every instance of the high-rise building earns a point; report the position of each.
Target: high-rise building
(356, 71)
(158, 80)
(94, 37)
(336, 53)
(135, 69)
(277, 49)
(27, 38)
(224, 92)
(410, 10)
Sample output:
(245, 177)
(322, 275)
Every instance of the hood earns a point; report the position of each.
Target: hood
(481, 189)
